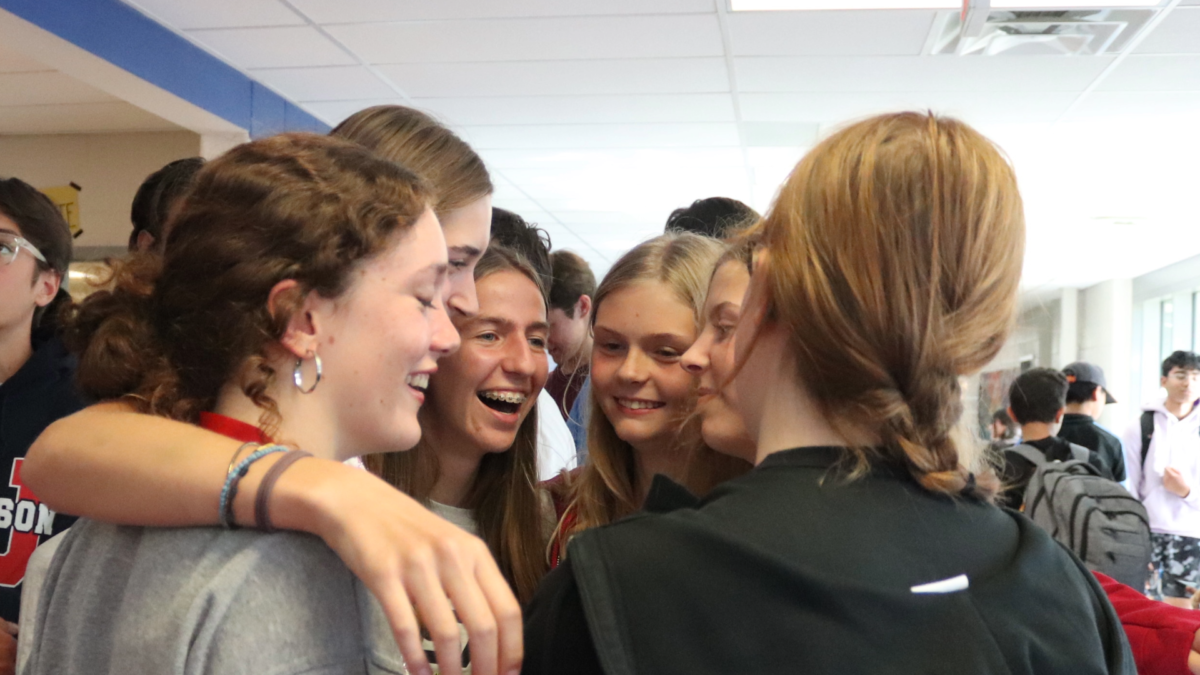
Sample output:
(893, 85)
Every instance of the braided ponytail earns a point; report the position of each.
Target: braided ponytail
(896, 253)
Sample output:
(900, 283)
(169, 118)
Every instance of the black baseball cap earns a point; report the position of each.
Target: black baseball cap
(1082, 371)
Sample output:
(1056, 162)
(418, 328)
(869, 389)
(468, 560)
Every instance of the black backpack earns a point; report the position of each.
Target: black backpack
(1091, 515)
(1147, 433)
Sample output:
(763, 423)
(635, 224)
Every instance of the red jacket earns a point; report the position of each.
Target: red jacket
(1160, 635)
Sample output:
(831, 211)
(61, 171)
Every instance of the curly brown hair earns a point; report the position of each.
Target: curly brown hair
(172, 332)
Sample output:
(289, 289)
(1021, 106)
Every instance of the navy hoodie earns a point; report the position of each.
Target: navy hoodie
(42, 391)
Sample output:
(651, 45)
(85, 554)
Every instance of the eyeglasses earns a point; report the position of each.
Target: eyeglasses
(11, 244)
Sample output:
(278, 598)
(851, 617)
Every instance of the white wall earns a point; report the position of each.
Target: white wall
(1106, 339)
(109, 168)
(1095, 325)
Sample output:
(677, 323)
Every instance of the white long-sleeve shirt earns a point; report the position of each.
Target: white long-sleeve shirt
(1176, 443)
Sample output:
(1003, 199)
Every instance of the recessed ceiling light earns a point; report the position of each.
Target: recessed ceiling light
(783, 5)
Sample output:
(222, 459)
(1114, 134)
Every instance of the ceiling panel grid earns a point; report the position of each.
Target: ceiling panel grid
(599, 118)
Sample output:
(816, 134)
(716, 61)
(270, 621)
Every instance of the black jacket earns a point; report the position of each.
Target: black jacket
(1083, 430)
(790, 569)
(42, 391)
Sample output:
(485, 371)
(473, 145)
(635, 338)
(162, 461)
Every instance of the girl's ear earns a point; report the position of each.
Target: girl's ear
(300, 332)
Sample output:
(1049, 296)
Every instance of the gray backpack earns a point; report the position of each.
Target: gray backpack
(1094, 517)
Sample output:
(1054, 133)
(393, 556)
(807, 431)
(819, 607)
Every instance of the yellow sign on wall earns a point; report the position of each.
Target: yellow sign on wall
(67, 199)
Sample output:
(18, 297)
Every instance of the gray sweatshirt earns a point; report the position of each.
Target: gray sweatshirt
(204, 600)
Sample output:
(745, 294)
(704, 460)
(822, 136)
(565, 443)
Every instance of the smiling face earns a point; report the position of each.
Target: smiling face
(483, 393)
(712, 359)
(467, 230)
(641, 332)
(380, 340)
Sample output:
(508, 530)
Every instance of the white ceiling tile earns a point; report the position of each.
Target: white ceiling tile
(666, 159)
(555, 204)
(561, 78)
(916, 73)
(972, 107)
(16, 62)
(533, 39)
(334, 83)
(840, 33)
(616, 220)
(79, 118)
(581, 109)
(47, 88)
(1144, 104)
(288, 47)
(333, 112)
(602, 136)
(187, 15)
(516, 203)
(365, 11)
(1179, 33)
(1155, 73)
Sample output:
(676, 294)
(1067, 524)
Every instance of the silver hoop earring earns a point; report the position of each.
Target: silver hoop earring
(298, 377)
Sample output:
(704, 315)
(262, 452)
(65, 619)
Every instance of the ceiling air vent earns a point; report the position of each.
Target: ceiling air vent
(1081, 32)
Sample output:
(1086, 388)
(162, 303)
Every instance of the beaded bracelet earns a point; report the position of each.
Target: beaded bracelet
(229, 490)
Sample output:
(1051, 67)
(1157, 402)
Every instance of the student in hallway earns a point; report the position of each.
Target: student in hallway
(37, 375)
(863, 541)
(556, 444)
(157, 197)
(1087, 394)
(1162, 461)
(571, 294)
(1005, 432)
(1037, 402)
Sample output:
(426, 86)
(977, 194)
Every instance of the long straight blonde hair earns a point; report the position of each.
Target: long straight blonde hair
(424, 146)
(606, 488)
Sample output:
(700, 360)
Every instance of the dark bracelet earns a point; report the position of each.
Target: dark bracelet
(262, 514)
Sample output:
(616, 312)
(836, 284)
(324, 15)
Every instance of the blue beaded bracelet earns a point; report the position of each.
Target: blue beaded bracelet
(229, 491)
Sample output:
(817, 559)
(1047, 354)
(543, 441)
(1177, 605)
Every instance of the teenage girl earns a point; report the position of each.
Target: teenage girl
(476, 464)
(864, 540)
(111, 464)
(297, 310)
(1164, 639)
(647, 313)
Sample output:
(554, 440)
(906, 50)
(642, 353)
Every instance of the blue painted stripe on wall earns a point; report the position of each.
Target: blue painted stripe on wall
(129, 40)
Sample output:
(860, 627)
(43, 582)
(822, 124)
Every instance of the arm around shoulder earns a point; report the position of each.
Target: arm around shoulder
(112, 464)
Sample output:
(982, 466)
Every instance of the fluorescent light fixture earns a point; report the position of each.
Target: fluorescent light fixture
(783, 5)
(1071, 4)
(768, 5)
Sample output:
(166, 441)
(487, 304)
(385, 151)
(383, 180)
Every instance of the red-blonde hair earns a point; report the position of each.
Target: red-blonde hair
(895, 251)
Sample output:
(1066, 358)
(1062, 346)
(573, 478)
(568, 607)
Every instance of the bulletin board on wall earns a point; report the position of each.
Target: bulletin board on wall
(993, 395)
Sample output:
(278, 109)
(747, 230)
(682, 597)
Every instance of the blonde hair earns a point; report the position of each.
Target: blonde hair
(606, 488)
(895, 251)
(504, 496)
(424, 146)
